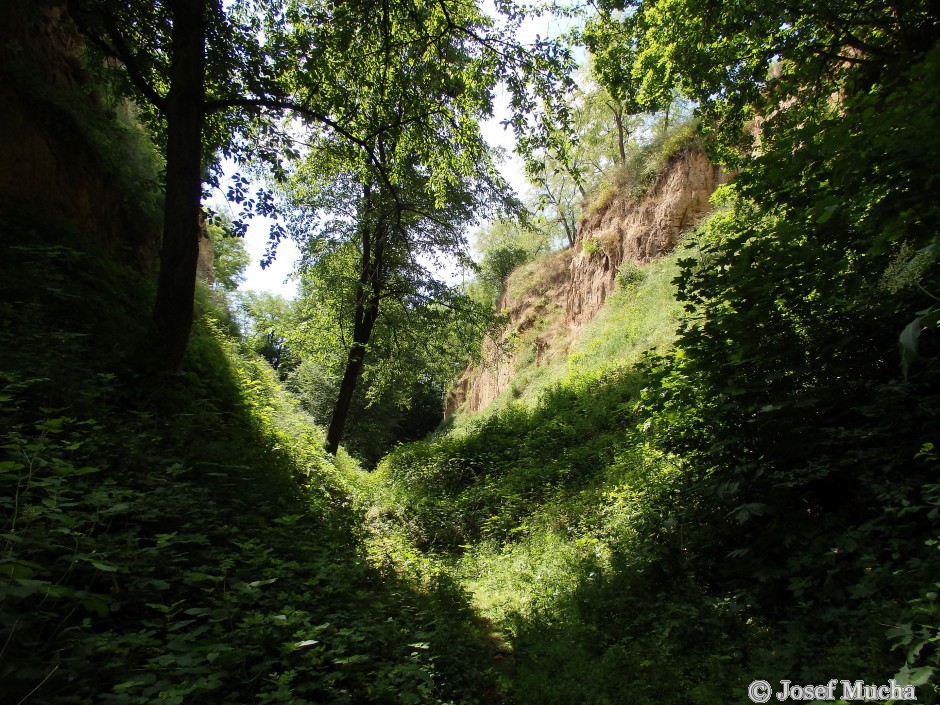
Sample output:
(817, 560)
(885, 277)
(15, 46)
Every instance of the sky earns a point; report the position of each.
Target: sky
(276, 277)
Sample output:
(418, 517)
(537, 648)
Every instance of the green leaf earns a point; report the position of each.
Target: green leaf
(913, 676)
(355, 658)
(97, 605)
(910, 336)
(105, 567)
(826, 214)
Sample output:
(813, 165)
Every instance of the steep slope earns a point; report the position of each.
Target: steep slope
(181, 540)
(550, 301)
(185, 544)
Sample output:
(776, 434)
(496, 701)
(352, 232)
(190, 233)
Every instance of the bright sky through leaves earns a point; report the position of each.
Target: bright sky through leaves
(276, 277)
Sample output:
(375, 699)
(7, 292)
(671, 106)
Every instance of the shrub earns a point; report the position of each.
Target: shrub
(629, 275)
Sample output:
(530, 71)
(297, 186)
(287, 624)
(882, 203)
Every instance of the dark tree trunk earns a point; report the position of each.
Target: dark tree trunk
(184, 111)
(621, 135)
(354, 364)
(368, 295)
(570, 232)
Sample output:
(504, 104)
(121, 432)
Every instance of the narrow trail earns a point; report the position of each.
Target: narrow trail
(390, 553)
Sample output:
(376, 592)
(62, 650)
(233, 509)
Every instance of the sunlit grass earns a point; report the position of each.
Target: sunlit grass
(640, 316)
(637, 318)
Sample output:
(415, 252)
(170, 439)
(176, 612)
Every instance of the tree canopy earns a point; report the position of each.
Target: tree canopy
(379, 207)
(219, 78)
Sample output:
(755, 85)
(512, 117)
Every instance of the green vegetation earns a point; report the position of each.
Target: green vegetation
(188, 544)
(414, 351)
(502, 247)
(408, 172)
(630, 519)
(759, 501)
(729, 474)
(639, 317)
(230, 256)
(571, 550)
(568, 168)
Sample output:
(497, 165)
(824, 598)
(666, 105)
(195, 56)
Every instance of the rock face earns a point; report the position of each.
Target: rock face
(638, 231)
(532, 297)
(205, 265)
(47, 165)
(569, 288)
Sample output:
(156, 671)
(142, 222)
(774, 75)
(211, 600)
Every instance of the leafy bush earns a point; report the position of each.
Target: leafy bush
(629, 275)
(497, 265)
(188, 542)
(502, 247)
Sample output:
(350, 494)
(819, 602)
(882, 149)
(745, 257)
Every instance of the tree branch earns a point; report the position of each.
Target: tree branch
(215, 105)
(119, 49)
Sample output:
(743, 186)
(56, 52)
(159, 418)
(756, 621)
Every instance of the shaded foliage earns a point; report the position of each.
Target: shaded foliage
(188, 545)
(763, 502)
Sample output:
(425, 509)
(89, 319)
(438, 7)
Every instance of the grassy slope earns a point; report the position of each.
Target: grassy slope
(581, 540)
(535, 505)
(640, 316)
(189, 543)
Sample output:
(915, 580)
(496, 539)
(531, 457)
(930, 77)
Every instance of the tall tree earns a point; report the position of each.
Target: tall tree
(418, 344)
(252, 59)
(164, 45)
(368, 291)
(416, 81)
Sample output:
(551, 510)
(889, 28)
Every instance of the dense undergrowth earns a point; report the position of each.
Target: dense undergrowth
(557, 516)
(761, 502)
(184, 542)
(623, 571)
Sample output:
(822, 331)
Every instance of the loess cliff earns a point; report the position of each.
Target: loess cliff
(550, 300)
(68, 152)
